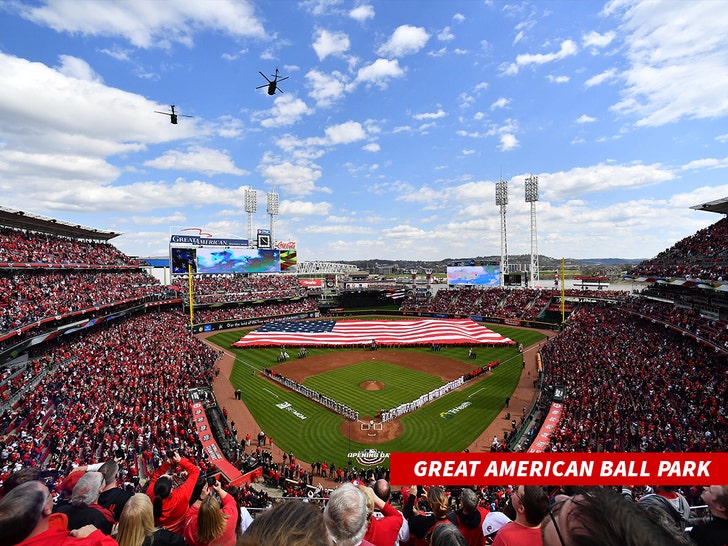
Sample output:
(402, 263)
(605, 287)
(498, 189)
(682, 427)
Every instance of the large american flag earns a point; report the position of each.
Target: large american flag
(363, 332)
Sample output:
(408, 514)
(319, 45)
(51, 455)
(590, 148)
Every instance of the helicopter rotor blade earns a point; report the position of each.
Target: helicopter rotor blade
(281, 79)
(262, 86)
(266, 77)
(165, 113)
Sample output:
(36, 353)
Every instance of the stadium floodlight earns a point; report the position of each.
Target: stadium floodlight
(532, 197)
(501, 199)
(531, 188)
(251, 206)
(501, 193)
(272, 211)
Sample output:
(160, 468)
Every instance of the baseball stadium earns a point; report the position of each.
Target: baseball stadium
(285, 378)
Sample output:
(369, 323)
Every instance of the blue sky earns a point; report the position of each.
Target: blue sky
(397, 120)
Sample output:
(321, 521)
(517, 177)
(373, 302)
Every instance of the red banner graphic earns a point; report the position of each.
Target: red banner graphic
(559, 468)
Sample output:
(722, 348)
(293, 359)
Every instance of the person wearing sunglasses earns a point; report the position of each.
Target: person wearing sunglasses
(531, 505)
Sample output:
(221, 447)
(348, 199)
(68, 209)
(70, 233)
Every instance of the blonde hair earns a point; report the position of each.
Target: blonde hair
(438, 501)
(136, 521)
(211, 521)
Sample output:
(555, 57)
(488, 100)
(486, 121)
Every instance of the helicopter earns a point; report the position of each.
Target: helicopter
(272, 85)
(172, 115)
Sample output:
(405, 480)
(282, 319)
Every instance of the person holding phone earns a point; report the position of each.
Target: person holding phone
(209, 522)
(170, 503)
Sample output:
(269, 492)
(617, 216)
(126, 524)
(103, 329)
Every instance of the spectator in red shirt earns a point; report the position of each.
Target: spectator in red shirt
(171, 503)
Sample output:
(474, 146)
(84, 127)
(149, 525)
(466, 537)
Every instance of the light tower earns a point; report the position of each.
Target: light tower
(251, 206)
(272, 211)
(532, 197)
(501, 199)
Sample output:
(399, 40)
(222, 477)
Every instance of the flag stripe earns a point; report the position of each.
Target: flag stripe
(384, 332)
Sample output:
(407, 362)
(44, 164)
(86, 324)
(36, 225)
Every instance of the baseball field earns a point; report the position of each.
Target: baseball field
(369, 381)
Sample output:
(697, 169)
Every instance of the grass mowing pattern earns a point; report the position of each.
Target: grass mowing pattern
(434, 427)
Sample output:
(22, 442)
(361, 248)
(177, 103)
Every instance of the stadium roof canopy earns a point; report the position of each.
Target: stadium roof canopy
(720, 206)
(19, 219)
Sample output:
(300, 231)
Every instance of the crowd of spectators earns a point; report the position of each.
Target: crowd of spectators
(20, 246)
(123, 387)
(656, 391)
(239, 288)
(689, 320)
(29, 296)
(243, 312)
(703, 256)
(522, 303)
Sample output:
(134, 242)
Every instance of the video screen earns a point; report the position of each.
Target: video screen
(237, 260)
(481, 275)
(182, 258)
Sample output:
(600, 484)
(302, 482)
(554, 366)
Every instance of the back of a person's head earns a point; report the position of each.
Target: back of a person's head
(535, 504)
(447, 534)
(438, 501)
(603, 517)
(109, 470)
(136, 521)
(27, 474)
(469, 500)
(287, 523)
(20, 511)
(87, 489)
(162, 490)
(210, 520)
(382, 489)
(345, 515)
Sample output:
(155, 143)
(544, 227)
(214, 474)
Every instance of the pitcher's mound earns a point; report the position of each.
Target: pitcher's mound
(372, 385)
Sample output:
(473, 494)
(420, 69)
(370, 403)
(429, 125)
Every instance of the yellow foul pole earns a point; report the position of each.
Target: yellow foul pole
(563, 297)
(189, 289)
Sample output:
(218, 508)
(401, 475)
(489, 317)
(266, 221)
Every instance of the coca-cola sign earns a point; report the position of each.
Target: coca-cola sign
(286, 245)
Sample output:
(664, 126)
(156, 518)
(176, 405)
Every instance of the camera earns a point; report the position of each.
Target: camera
(211, 481)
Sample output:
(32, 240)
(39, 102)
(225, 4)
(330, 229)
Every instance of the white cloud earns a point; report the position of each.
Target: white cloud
(594, 39)
(362, 13)
(345, 133)
(73, 67)
(585, 119)
(405, 40)
(197, 159)
(330, 43)
(379, 72)
(371, 147)
(567, 49)
(295, 179)
(558, 79)
(147, 24)
(560, 186)
(708, 163)
(445, 35)
(598, 79)
(326, 88)
(678, 60)
(431, 115)
(508, 142)
(286, 110)
(502, 102)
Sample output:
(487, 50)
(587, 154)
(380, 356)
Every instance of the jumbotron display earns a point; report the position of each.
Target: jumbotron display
(482, 275)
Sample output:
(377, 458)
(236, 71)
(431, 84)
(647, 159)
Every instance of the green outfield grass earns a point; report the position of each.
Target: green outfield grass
(434, 427)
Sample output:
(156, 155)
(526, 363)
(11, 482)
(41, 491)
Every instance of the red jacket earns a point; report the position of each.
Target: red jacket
(385, 531)
(229, 508)
(61, 537)
(175, 506)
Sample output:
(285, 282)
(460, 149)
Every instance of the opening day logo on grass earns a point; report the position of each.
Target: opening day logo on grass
(449, 414)
(369, 457)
